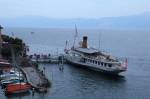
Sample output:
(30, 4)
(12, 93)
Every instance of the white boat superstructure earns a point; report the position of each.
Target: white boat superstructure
(94, 59)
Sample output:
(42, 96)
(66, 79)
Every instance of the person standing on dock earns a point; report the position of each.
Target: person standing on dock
(33, 91)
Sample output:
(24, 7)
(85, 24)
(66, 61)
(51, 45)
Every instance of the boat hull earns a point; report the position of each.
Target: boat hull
(17, 88)
(115, 72)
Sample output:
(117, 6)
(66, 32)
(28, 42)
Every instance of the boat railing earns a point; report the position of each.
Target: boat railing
(100, 59)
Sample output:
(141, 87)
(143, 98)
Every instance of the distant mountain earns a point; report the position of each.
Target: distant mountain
(37, 21)
(136, 21)
(141, 21)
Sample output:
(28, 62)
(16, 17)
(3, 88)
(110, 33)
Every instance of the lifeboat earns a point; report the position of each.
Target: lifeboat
(17, 88)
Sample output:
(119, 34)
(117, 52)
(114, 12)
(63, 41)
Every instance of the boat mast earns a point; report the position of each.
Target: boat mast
(99, 43)
(66, 46)
(75, 36)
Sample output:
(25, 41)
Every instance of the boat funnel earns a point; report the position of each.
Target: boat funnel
(84, 43)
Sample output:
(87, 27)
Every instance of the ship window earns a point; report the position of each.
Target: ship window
(91, 61)
(83, 59)
(98, 63)
(105, 64)
(102, 64)
(109, 65)
(95, 62)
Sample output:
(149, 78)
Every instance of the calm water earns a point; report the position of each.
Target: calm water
(79, 83)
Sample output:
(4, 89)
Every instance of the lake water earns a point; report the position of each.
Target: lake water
(79, 83)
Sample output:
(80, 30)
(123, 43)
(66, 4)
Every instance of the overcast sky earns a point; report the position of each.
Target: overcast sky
(73, 8)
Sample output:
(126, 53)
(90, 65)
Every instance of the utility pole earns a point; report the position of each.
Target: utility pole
(13, 55)
(1, 41)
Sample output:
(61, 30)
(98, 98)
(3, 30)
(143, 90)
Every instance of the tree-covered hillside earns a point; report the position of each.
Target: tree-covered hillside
(11, 44)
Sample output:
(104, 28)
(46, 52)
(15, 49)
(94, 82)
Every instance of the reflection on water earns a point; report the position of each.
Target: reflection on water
(18, 96)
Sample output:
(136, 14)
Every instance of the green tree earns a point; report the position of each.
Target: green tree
(10, 42)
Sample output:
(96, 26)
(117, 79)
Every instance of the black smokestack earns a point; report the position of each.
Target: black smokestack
(84, 43)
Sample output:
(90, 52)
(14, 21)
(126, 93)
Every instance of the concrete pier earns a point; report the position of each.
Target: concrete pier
(47, 58)
(34, 76)
(38, 81)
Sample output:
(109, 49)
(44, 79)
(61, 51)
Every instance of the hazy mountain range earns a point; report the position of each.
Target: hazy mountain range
(140, 21)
